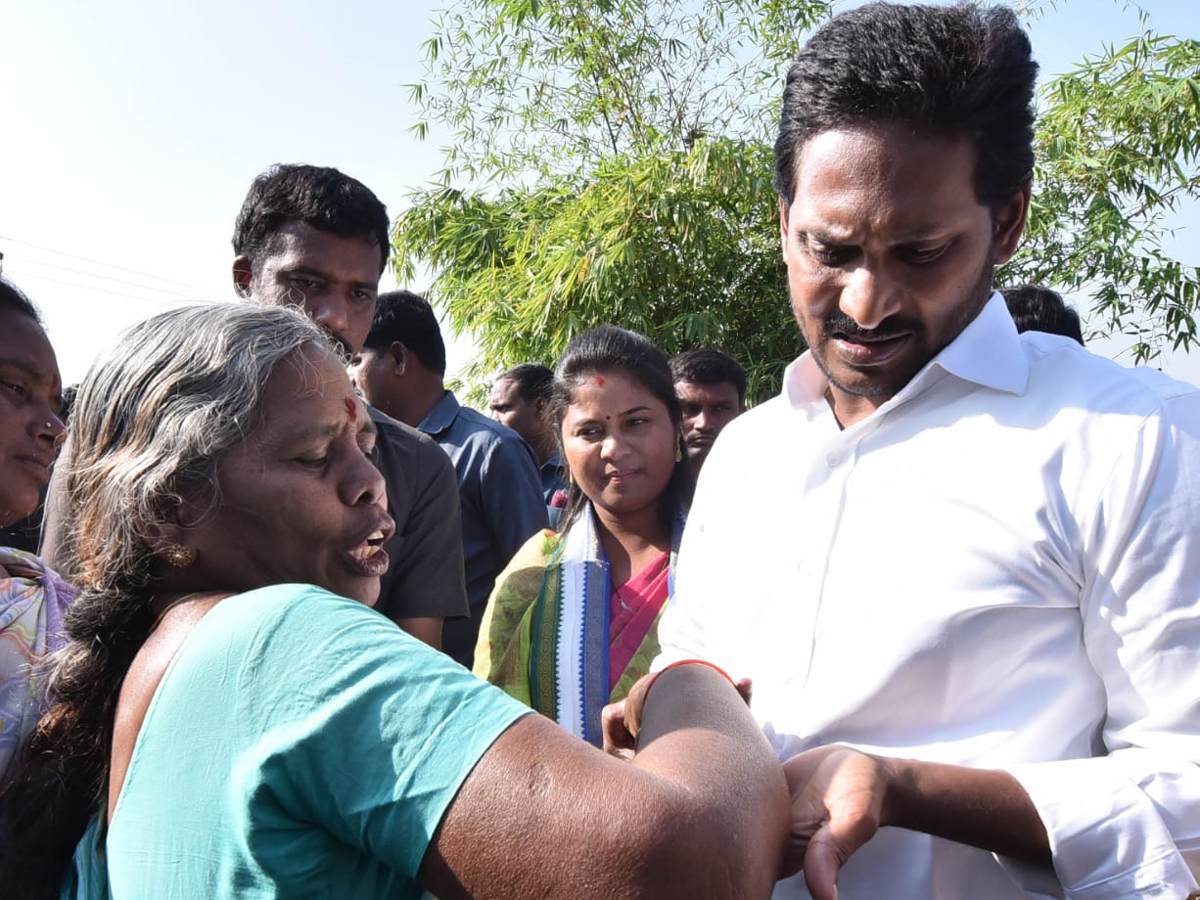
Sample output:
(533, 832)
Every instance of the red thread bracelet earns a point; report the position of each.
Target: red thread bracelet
(687, 662)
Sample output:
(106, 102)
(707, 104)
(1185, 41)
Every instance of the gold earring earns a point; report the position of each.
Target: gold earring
(678, 454)
(179, 556)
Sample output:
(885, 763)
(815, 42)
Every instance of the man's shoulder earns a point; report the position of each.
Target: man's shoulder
(396, 432)
(486, 431)
(1066, 373)
(751, 448)
(757, 421)
(403, 451)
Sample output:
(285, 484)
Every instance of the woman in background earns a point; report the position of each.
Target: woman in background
(32, 597)
(231, 719)
(572, 622)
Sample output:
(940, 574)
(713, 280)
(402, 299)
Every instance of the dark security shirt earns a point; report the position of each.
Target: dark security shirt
(426, 575)
(500, 501)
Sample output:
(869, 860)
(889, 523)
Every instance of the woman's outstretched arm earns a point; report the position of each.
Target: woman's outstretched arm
(701, 812)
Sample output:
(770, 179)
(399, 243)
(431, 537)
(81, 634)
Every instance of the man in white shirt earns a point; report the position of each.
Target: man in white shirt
(971, 610)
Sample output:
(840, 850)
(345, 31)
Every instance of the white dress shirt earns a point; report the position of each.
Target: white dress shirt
(999, 568)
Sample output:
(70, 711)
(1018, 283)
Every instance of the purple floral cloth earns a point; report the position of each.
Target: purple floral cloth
(32, 601)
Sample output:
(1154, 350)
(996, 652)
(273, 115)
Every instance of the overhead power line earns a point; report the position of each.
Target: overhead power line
(19, 275)
(98, 262)
(197, 293)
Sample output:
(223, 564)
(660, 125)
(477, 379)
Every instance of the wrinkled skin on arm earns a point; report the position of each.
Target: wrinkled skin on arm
(700, 812)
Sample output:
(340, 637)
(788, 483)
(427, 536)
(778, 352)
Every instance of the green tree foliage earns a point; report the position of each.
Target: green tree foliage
(609, 164)
(1118, 141)
(533, 89)
(682, 246)
(619, 174)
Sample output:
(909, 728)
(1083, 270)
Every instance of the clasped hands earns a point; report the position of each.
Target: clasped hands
(838, 794)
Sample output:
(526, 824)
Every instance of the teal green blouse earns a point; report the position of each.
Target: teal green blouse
(299, 745)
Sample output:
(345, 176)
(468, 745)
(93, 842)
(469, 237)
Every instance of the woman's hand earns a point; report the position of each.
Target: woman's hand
(620, 722)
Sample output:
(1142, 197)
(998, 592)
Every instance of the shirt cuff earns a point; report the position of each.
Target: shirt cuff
(1106, 835)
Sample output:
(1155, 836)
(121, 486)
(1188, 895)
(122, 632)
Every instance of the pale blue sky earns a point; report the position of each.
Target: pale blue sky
(132, 129)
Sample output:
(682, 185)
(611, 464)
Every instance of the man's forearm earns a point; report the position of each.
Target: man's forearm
(842, 796)
(986, 808)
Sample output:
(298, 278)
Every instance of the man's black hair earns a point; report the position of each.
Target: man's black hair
(318, 196)
(408, 318)
(1036, 308)
(941, 71)
(533, 380)
(708, 365)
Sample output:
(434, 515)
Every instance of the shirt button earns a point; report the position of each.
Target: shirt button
(833, 460)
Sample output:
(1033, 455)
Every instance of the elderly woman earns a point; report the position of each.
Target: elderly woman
(233, 720)
(32, 597)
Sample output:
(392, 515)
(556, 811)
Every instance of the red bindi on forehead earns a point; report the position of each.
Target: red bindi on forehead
(351, 409)
(600, 381)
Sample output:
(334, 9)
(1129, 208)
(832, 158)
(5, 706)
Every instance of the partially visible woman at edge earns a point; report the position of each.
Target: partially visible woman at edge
(32, 597)
(573, 620)
(226, 725)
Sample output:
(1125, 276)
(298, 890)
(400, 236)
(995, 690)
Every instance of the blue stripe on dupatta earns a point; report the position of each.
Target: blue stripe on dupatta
(582, 646)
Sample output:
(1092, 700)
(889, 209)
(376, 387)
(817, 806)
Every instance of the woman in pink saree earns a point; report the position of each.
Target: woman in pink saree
(572, 622)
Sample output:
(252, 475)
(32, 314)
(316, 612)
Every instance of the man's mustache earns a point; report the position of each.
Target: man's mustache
(842, 325)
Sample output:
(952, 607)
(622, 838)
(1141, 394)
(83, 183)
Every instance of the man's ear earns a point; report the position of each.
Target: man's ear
(242, 276)
(539, 405)
(1009, 223)
(399, 355)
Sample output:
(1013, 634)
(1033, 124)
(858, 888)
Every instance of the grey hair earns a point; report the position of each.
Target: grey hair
(155, 416)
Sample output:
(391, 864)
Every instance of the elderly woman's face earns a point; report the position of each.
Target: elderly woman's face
(300, 499)
(30, 401)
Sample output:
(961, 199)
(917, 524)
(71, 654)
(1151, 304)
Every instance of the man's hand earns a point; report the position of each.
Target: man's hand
(837, 806)
(841, 797)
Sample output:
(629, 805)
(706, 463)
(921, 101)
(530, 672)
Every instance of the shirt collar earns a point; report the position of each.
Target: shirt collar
(803, 382)
(442, 416)
(987, 352)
